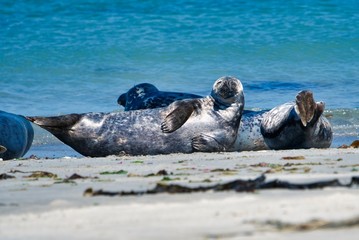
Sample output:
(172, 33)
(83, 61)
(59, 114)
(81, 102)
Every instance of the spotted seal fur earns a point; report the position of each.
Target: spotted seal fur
(206, 124)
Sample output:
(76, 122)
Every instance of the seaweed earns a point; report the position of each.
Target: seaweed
(226, 171)
(76, 176)
(354, 144)
(41, 174)
(16, 171)
(162, 172)
(4, 176)
(235, 185)
(113, 172)
(166, 178)
(313, 224)
(273, 168)
(138, 162)
(73, 177)
(35, 174)
(222, 170)
(293, 158)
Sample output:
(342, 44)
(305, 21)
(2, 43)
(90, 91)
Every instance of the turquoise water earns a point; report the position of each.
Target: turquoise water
(67, 56)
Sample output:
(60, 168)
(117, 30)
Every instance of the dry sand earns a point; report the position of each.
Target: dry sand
(35, 207)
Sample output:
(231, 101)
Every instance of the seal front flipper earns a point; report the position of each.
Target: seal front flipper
(175, 119)
(59, 122)
(206, 143)
(305, 106)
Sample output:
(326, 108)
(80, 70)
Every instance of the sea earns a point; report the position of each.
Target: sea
(64, 56)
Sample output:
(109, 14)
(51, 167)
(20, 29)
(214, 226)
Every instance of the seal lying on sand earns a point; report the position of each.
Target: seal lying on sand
(207, 124)
(293, 125)
(16, 135)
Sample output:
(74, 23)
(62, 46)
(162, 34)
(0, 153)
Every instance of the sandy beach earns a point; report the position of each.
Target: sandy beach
(43, 199)
(61, 57)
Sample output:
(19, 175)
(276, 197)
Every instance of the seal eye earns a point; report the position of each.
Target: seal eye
(219, 82)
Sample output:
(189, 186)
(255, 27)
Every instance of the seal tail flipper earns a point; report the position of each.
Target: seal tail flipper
(59, 122)
(305, 106)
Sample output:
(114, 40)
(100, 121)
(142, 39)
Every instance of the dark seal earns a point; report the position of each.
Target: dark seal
(147, 96)
(208, 124)
(16, 135)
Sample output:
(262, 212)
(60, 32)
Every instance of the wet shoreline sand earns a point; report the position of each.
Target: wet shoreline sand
(45, 199)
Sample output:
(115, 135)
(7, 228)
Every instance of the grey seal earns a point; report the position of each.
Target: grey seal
(297, 125)
(146, 95)
(208, 124)
(16, 135)
(292, 125)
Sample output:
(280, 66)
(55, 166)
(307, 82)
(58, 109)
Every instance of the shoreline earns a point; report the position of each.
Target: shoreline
(57, 205)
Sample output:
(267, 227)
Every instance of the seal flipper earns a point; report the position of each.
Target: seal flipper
(304, 109)
(2, 149)
(274, 120)
(175, 119)
(206, 143)
(305, 106)
(64, 122)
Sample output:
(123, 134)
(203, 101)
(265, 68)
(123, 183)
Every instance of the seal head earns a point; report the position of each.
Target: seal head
(226, 91)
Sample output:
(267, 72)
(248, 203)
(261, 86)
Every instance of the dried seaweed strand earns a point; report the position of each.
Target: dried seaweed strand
(236, 185)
